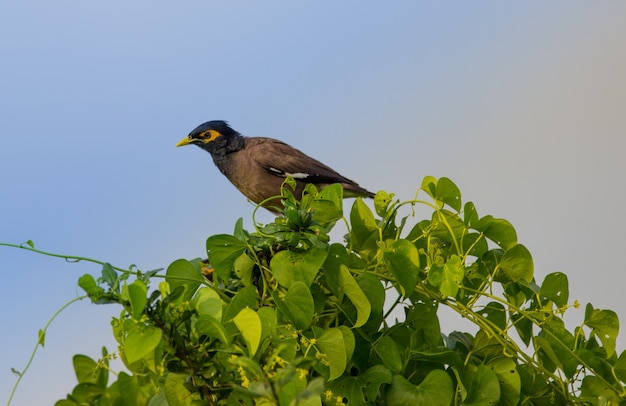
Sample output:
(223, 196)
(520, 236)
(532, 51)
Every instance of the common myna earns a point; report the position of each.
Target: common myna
(257, 166)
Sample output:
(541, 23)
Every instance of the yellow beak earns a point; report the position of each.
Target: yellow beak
(184, 141)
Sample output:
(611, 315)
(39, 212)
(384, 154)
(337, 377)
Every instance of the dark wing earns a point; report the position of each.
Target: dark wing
(283, 160)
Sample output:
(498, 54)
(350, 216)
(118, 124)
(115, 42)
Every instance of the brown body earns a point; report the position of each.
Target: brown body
(259, 169)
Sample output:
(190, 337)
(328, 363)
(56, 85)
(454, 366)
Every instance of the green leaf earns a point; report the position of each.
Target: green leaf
(375, 292)
(223, 250)
(141, 342)
(561, 344)
(373, 379)
(137, 295)
(246, 297)
(402, 260)
(388, 351)
(328, 207)
(337, 256)
(449, 277)
(447, 225)
(130, 390)
(86, 369)
(620, 367)
(483, 388)
(470, 215)
(332, 345)
(325, 211)
(348, 340)
(285, 389)
(429, 185)
(333, 193)
(239, 231)
(160, 399)
(310, 395)
(475, 244)
(207, 302)
(41, 337)
(438, 356)
(497, 230)
(523, 326)
(289, 266)
(481, 223)
(243, 267)
(177, 393)
(89, 285)
(182, 273)
(486, 345)
(297, 305)
(361, 389)
(605, 325)
(381, 202)
(356, 296)
(319, 297)
(435, 390)
(447, 192)
(547, 357)
(86, 392)
(509, 378)
(210, 327)
(594, 391)
(517, 293)
(423, 318)
(348, 389)
(495, 313)
(268, 321)
(555, 288)
(109, 276)
(517, 264)
(249, 324)
(364, 236)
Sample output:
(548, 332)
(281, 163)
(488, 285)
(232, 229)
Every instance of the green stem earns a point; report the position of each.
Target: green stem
(393, 306)
(69, 258)
(40, 341)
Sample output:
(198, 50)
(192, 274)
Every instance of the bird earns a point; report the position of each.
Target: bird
(258, 166)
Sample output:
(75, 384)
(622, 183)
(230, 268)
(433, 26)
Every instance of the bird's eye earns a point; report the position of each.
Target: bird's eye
(211, 135)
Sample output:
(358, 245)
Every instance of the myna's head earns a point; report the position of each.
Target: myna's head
(209, 135)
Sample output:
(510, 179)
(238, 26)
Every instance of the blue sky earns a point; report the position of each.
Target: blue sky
(521, 104)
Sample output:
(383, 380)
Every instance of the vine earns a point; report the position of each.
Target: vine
(284, 316)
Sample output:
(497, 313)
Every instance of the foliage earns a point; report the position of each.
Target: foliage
(283, 316)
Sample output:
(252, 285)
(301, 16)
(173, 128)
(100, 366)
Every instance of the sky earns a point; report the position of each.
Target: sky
(521, 104)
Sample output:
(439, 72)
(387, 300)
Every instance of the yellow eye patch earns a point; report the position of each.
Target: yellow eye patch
(210, 135)
(205, 137)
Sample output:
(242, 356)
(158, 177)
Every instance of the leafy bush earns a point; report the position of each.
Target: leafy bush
(283, 316)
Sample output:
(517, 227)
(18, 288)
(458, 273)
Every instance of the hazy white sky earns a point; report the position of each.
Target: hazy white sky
(523, 105)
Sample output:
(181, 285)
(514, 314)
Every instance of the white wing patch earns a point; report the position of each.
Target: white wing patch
(297, 175)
